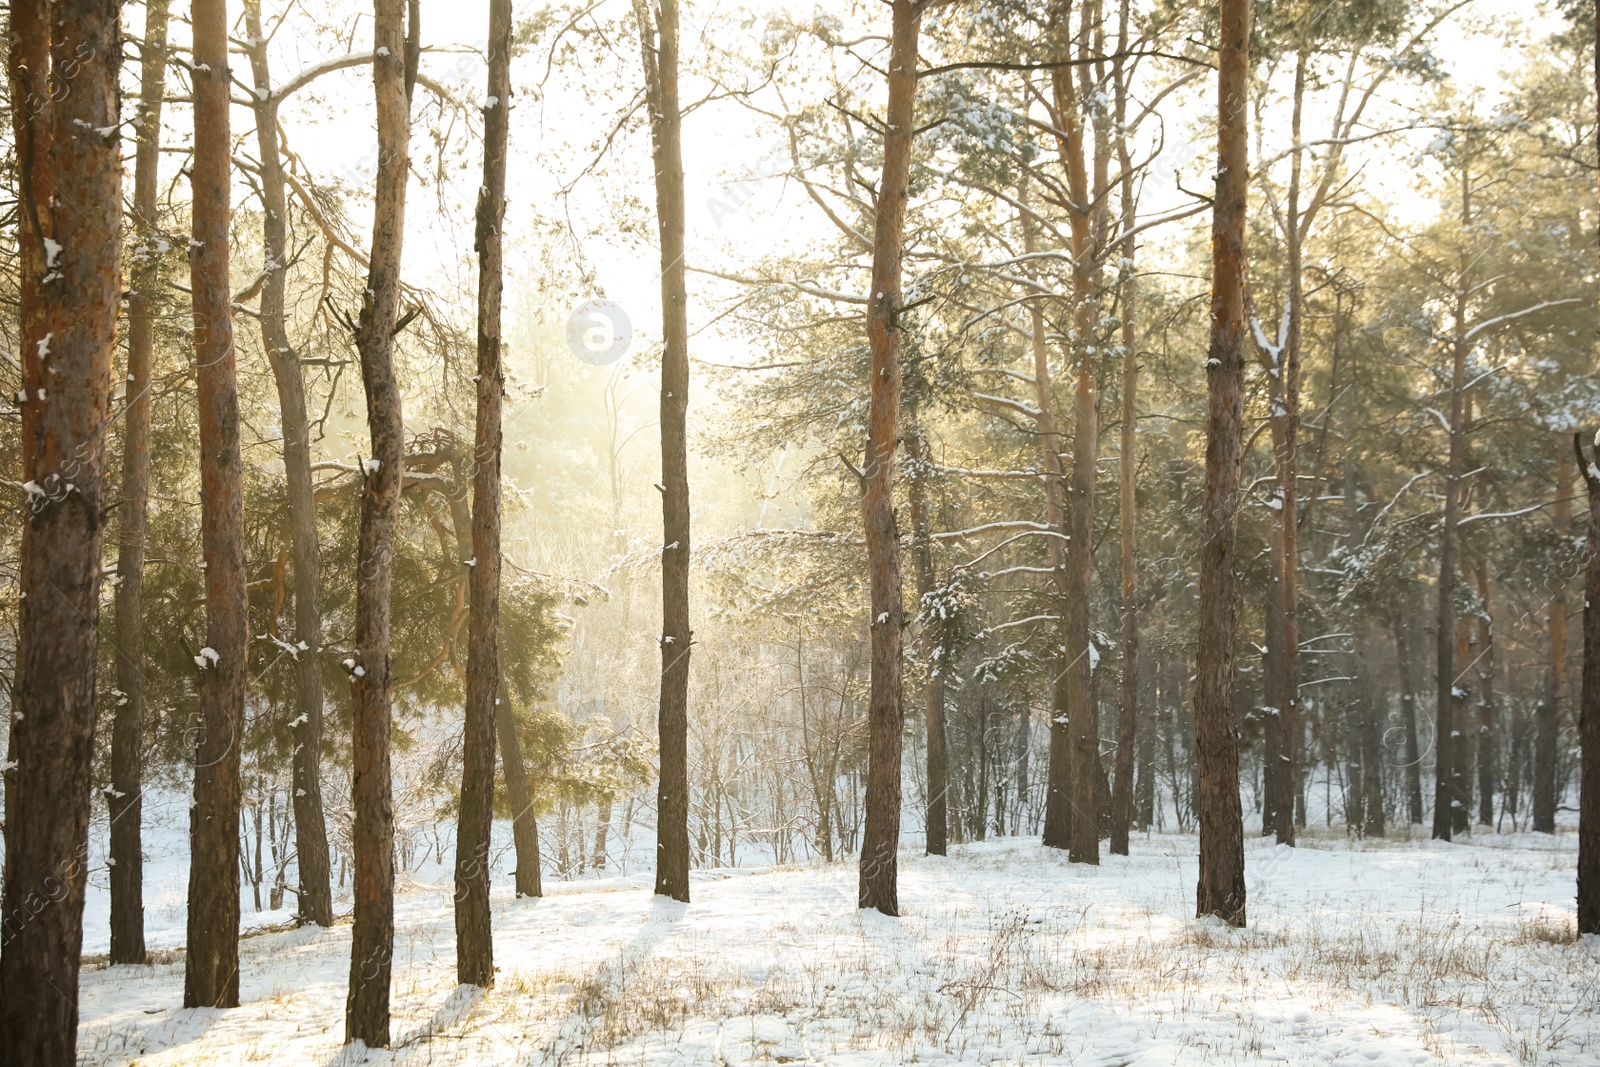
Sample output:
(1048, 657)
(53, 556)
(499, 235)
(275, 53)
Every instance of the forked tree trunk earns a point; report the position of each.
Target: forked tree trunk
(658, 39)
(1547, 725)
(1083, 714)
(1127, 503)
(1589, 703)
(938, 832)
(211, 957)
(1221, 889)
(310, 825)
(125, 800)
(372, 936)
(474, 937)
(880, 839)
(70, 194)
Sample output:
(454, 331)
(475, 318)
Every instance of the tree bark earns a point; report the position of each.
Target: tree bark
(1547, 735)
(1221, 888)
(1287, 456)
(1083, 714)
(1487, 783)
(1408, 721)
(311, 833)
(1589, 703)
(474, 936)
(1058, 769)
(211, 958)
(658, 39)
(125, 800)
(372, 936)
(933, 645)
(880, 839)
(70, 194)
(1446, 765)
(524, 827)
(1127, 511)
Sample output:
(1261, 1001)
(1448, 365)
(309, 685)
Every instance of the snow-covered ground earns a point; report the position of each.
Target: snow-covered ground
(1383, 953)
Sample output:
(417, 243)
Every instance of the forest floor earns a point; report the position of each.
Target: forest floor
(1378, 952)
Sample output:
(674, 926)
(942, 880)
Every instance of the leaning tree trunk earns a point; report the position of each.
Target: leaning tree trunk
(1221, 889)
(211, 957)
(658, 39)
(70, 195)
(474, 938)
(524, 827)
(1547, 724)
(933, 647)
(310, 825)
(372, 936)
(1589, 704)
(1127, 502)
(880, 838)
(125, 799)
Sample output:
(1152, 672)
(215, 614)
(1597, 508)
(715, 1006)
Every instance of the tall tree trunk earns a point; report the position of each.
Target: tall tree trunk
(211, 959)
(311, 833)
(125, 799)
(1058, 770)
(1408, 721)
(1284, 386)
(70, 180)
(880, 840)
(1083, 716)
(1127, 511)
(933, 646)
(372, 935)
(1486, 705)
(1589, 703)
(474, 938)
(524, 827)
(1275, 777)
(1367, 745)
(1221, 889)
(1547, 735)
(658, 38)
(1449, 691)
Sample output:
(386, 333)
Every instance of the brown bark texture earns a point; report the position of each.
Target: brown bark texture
(474, 937)
(372, 936)
(524, 827)
(69, 231)
(124, 800)
(878, 885)
(310, 823)
(659, 45)
(938, 819)
(211, 956)
(1221, 888)
(1547, 715)
(1589, 707)
(1127, 501)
